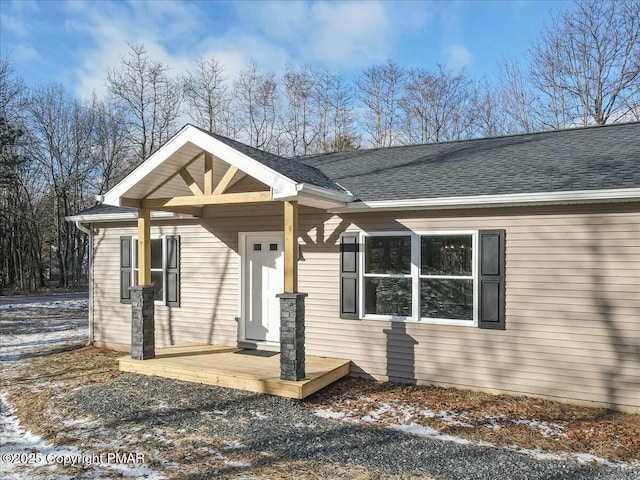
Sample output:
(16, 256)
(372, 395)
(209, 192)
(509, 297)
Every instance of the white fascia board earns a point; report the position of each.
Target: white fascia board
(112, 197)
(126, 216)
(191, 134)
(479, 201)
(304, 190)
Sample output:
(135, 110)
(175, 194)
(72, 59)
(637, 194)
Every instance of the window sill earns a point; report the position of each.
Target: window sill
(425, 321)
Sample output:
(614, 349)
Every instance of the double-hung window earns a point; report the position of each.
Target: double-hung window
(452, 278)
(158, 248)
(387, 283)
(447, 277)
(165, 268)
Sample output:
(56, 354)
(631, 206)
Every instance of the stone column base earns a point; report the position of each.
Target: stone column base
(143, 345)
(292, 336)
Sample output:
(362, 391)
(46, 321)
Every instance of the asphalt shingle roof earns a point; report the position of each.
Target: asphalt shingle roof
(104, 209)
(296, 171)
(590, 158)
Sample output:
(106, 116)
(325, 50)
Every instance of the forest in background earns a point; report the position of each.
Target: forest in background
(57, 151)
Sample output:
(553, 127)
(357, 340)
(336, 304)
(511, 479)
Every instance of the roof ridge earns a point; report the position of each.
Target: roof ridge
(476, 139)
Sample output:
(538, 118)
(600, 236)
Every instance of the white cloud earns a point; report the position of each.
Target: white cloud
(110, 29)
(344, 36)
(458, 57)
(350, 33)
(336, 35)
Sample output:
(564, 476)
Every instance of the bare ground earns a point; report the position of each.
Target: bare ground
(39, 388)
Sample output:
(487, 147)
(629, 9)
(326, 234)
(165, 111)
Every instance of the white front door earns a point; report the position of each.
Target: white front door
(263, 280)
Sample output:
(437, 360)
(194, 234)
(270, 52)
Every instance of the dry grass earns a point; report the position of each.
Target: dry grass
(38, 388)
(568, 428)
(34, 387)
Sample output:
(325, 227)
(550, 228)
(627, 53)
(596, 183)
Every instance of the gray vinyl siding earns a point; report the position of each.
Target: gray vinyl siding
(572, 299)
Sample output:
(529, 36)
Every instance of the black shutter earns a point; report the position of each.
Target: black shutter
(173, 271)
(492, 279)
(349, 275)
(125, 269)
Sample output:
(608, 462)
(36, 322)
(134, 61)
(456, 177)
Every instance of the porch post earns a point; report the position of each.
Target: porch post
(292, 308)
(142, 295)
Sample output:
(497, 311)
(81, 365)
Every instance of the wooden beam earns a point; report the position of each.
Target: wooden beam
(134, 202)
(130, 202)
(172, 176)
(190, 181)
(290, 247)
(226, 180)
(208, 173)
(202, 200)
(144, 246)
(193, 211)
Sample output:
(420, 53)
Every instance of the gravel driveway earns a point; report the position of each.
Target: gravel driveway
(282, 428)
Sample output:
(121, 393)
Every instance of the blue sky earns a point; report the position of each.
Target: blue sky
(74, 42)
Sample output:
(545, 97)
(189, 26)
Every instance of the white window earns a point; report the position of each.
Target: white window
(447, 276)
(428, 277)
(158, 266)
(387, 275)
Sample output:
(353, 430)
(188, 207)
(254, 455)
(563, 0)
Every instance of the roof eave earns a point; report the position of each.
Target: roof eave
(506, 200)
(313, 196)
(125, 217)
(275, 180)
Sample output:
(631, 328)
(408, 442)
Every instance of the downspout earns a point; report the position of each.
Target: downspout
(89, 231)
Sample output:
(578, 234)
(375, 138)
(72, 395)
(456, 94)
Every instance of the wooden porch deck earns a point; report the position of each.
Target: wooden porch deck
(237, 368)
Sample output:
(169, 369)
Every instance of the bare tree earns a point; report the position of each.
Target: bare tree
(488, 115)
(151, 97)
(586, 67)
(517, 97)
(20, 247)
(381, 88)
(299, 117)
(436, 106)
(207, 96)
(111, 150)
(337, 120)
(256, 94)
(61, 140)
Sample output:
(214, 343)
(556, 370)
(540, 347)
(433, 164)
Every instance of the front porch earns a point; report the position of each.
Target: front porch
(252, 370)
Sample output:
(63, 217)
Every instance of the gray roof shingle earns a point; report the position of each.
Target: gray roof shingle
(103, 209)
(589, 158)
(296, 171)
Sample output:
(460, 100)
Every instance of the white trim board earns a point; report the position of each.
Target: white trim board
(514, 199)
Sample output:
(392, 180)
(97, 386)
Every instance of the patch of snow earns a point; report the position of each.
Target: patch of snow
(494, 421)
(259, 415)
(424, 431)
(546, 429)
(19, 442)
(233, 445)
(224, 459)
(576, 456)
(70, 304)
(374, 415)
(326, 413)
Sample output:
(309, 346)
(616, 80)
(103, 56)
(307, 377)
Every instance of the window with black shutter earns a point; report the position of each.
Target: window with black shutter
(491, 296)
(453, 277)
(125, 269)
(349, 276)
(165, 268)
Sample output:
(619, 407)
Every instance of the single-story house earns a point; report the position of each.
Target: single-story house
(507, 264)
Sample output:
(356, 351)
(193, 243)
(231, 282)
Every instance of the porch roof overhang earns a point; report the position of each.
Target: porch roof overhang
(165, 181)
